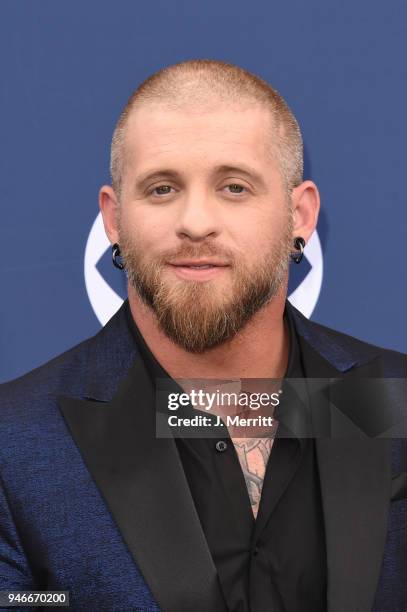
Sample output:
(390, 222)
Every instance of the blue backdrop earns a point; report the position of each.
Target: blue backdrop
(67, 69)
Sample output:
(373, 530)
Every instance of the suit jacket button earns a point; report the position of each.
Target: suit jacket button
(221, 446)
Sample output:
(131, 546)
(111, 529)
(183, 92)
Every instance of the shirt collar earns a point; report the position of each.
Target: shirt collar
(155, 369)
(294, 369)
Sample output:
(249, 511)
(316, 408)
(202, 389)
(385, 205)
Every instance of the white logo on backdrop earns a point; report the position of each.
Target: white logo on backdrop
(305, 296)
(105, 301)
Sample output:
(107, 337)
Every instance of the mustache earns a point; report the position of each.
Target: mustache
(191, 252)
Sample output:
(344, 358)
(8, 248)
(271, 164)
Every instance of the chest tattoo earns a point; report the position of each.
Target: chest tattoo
(253, 455)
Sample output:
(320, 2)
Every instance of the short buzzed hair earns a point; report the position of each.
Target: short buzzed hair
(197, 83)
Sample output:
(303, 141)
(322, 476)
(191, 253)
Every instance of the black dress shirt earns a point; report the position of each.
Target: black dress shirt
(276, 562)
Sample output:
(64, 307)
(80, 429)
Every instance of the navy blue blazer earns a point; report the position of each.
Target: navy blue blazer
(91, 502)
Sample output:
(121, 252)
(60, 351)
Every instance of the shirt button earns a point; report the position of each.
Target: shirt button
(221, 446)
(255, 551)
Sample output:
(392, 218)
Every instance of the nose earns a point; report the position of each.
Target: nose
(198, 218)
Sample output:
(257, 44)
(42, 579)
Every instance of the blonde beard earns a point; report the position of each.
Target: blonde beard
(196, 315)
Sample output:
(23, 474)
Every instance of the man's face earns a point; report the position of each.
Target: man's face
(203, 189)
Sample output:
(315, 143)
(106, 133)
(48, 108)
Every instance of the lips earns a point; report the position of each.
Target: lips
(198, 269)
(203, 267)
(198, 264)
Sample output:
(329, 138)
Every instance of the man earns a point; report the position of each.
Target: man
(206, 211)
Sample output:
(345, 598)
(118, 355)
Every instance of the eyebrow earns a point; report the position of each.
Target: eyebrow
(249, 172)
(155, 174)
(152, 175)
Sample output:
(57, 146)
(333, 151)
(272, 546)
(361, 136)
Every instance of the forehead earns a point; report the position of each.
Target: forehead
(156, 134)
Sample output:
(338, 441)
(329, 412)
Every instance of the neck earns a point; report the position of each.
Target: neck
(259, 350)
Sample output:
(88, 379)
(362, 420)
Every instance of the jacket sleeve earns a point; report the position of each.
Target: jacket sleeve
(15, 573)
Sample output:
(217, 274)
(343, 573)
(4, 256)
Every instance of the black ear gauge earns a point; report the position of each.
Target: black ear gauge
(115, 255)
(299, 244)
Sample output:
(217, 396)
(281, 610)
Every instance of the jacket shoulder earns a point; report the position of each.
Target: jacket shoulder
(65, 371)
(343, 348)
(93, 363)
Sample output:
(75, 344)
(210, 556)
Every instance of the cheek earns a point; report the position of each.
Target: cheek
(138, 228)
(252, 234)
(265, 219)
(256, 240)
(274, 227)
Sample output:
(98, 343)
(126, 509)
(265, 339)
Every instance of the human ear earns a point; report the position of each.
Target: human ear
(109, 207)
(305, 205)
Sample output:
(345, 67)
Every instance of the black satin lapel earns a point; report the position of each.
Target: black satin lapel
(355, 478)
(143, 483)
(286, 454)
